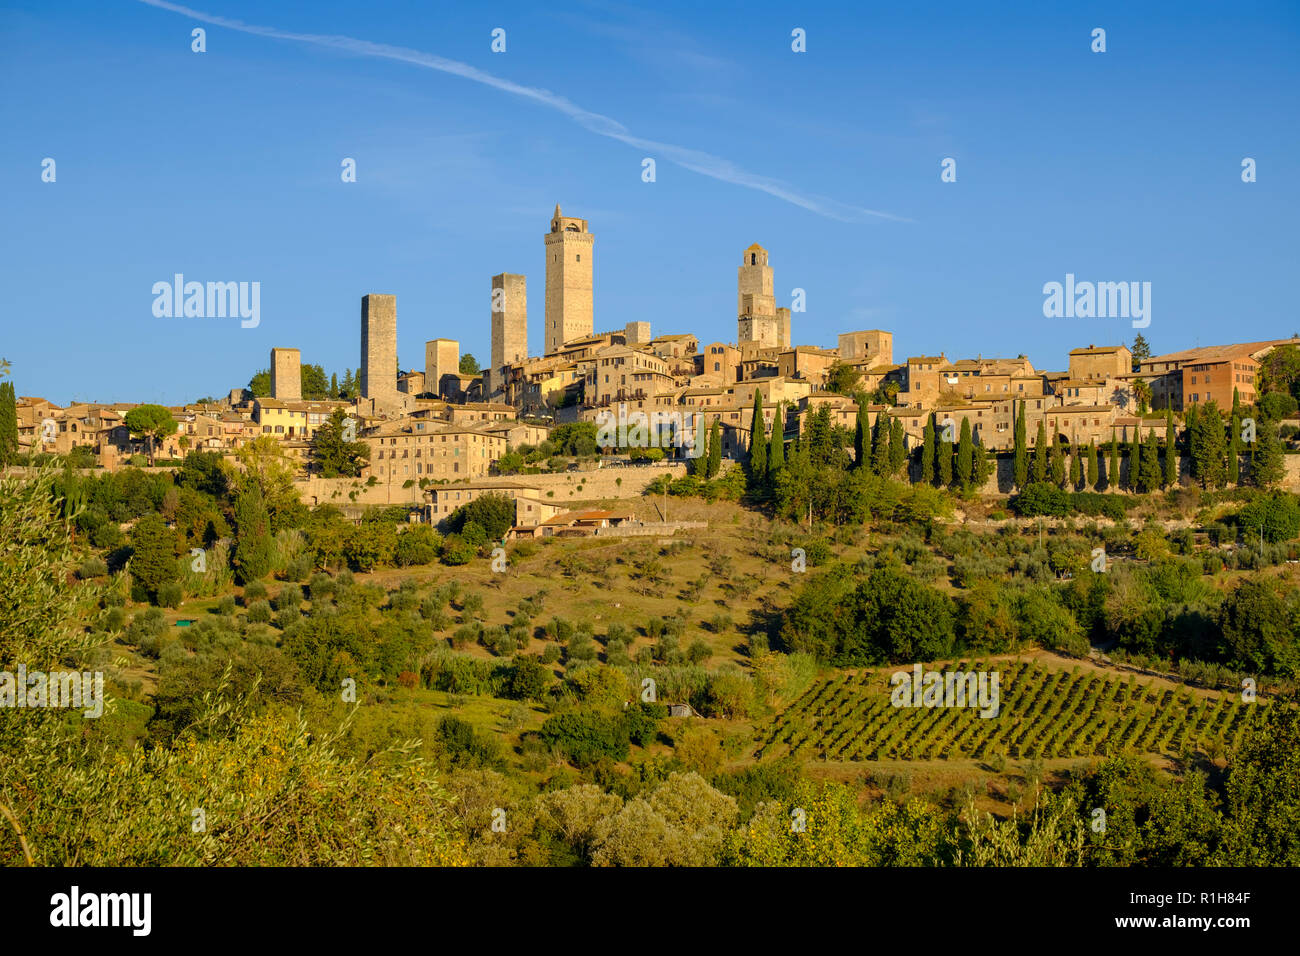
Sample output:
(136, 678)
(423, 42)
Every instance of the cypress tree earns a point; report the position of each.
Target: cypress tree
(1094, 477)
(965, 455)
(982, 466)
(1171, 450)
(927, 451)
(1020, 472)
(776, 448)
(1268, 467)
(1112, 470)
(880, 445)
(860, 432)
(1039, 472)
(715, 450)
(8, 424)
(943, 449)
(758, 440)
(897, 445)
(1058, 462)
(1149, 470)
(1210, 447)
(1076, 468)
(1234, 442)
(1135, 457)
(253, 546)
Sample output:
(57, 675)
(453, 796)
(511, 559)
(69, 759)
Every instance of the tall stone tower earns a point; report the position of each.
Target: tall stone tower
(286, 375)
(441, 356)
(379, 348)
(568, 281)
(509, 319)
(756, 317)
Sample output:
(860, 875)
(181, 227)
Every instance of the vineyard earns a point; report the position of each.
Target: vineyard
(1044, 714)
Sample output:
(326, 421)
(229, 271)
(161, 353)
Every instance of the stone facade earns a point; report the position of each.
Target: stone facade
(441, 357)
(509, 327)
(871, 346)
(379, 347)
(286, 375)
(569, 311)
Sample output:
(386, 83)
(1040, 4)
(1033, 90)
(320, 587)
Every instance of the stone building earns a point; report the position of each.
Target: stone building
(286, 374)
(868, 347)
(1100, 362)
(411, 450)
(758, 320)
(569, 313)
(441, 357)
(509, 328)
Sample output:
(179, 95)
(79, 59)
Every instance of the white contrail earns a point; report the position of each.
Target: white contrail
(703, 163)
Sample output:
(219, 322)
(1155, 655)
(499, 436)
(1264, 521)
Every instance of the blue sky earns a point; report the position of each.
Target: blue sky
(1115, 166)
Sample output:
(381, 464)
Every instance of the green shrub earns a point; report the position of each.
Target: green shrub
(289, 598)
(92, 567)
(171, 594)
(259, 612)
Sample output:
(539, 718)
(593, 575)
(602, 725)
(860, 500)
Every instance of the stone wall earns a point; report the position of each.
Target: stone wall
(566, 486)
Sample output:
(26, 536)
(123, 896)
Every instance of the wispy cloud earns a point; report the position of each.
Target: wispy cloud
(706, 164)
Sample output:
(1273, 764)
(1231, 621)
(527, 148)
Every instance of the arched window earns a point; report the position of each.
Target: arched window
(753, 258)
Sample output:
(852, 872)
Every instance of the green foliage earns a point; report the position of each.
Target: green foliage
(8, 424)
(153, 554)
(1275, 516)
(153, 422)
(333, 456)
(253, 546)
(889, 617)
(1257, 632)
(493, 513)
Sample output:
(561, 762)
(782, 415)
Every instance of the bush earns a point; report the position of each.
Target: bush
(171, 594)
(418, 544)
(226, 606)
(1041, 498)
(92, 567)
(259, 612)
(289, 598)
(463, 746)
(698, 652)
(1094, 505)
(298, 568)
(255, 591)
(1275, 516)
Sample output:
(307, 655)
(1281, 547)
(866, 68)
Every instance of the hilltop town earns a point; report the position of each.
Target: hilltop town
(437, 437)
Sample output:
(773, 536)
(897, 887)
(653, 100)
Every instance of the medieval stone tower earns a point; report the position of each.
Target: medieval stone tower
(379, 348)
(286, 375)
(757, 317)
(568, 281)
(441, 357)
(509, 323)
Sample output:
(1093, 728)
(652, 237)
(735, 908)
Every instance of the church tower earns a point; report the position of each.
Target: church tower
(569, 313)
(756, 314)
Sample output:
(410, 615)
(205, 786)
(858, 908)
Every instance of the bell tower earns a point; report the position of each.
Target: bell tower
(569, 313)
